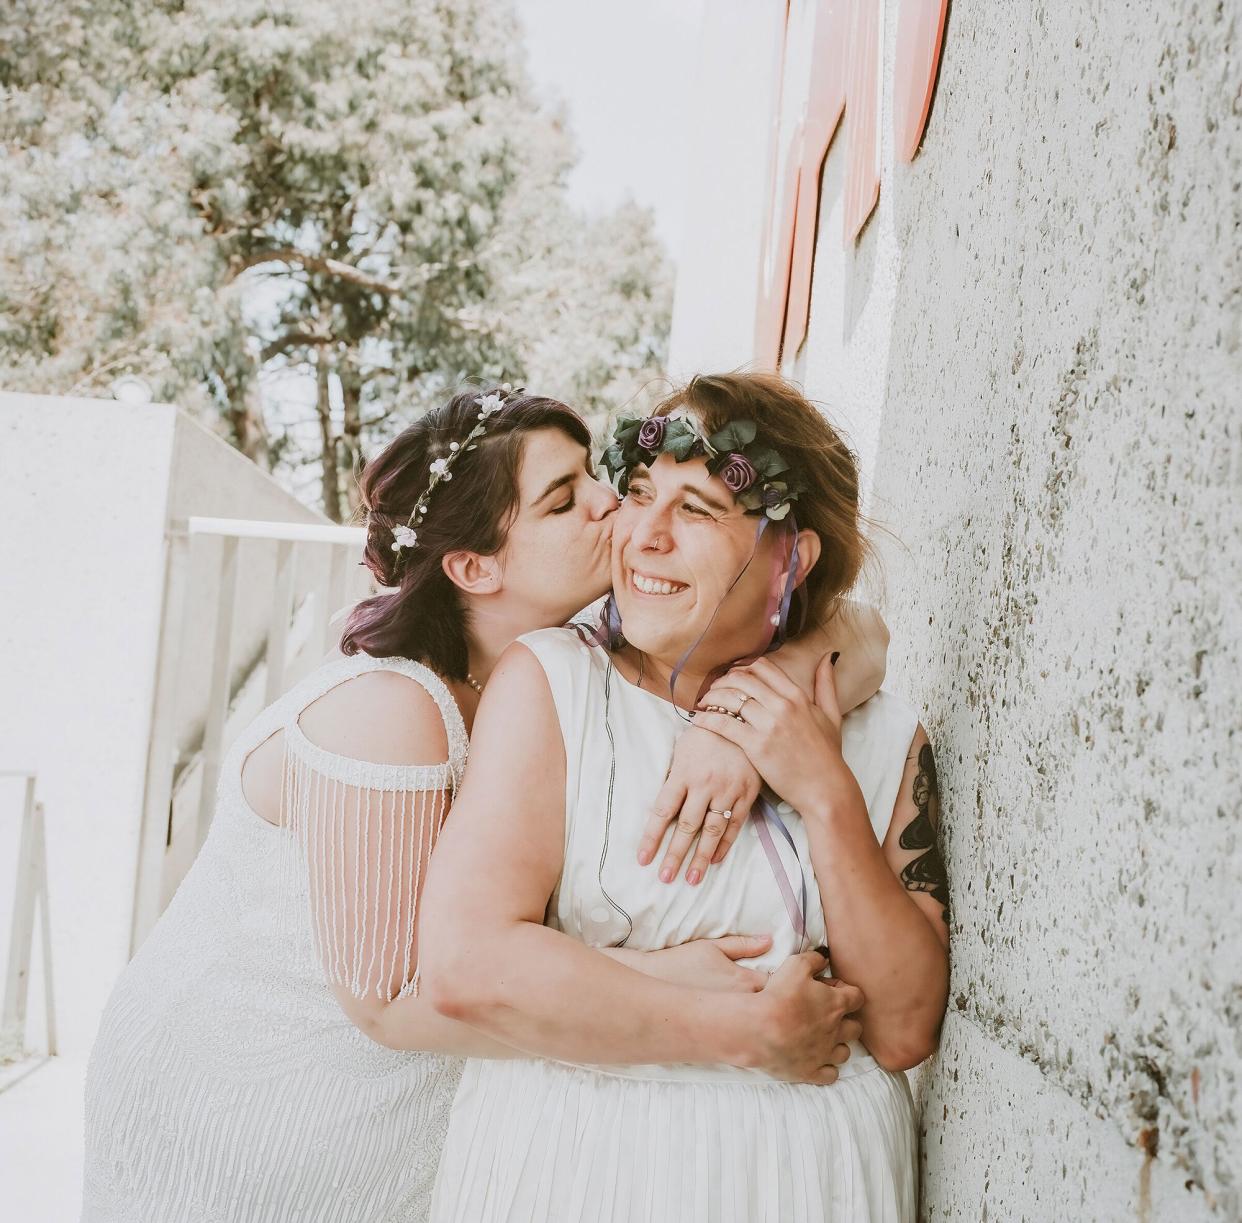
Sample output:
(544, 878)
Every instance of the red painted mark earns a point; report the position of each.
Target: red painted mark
(844, 81)
(920, 33)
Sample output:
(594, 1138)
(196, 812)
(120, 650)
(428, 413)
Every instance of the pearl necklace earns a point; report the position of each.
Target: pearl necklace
(474, 683)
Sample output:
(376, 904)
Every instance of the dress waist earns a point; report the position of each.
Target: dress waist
(861, 1062)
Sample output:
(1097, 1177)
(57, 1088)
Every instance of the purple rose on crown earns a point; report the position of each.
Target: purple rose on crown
(771, 496)
(737, 473)
(651, 434)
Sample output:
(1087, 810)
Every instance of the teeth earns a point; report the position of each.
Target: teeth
(653, 586)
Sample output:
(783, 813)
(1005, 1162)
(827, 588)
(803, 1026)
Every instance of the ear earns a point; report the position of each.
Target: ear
(808, 554)
(472, 573)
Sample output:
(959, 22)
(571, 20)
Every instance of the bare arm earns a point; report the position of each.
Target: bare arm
(886, 935)
(856, 632)
(885, 909)
(489, 961)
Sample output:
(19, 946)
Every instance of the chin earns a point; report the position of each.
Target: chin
(648, 633)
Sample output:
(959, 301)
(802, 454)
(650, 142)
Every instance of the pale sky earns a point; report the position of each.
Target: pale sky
(625, 69)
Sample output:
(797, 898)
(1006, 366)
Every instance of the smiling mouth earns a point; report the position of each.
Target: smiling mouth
(656, 586)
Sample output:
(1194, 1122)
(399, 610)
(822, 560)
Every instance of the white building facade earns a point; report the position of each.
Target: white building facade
(1033, 343)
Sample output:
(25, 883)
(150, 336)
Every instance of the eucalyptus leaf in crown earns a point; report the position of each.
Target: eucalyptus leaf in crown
(757, 476)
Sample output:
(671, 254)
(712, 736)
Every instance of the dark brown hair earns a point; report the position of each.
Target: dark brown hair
(423, 617)
(790, 424)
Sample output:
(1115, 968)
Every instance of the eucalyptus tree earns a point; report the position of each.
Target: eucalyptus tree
(208, 191)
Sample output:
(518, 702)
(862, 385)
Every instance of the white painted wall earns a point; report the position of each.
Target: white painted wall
(88, 489)
(1036, 347)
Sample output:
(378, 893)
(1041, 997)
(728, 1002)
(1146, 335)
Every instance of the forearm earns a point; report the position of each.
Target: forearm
(877, 937)
(551, 996)
(859, 635)
(413, 1022)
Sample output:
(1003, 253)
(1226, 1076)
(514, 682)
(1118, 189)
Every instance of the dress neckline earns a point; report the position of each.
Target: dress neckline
(675, 710)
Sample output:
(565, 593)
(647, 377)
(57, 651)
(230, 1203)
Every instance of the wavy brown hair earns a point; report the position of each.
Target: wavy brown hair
(423, 616)
(830, 505)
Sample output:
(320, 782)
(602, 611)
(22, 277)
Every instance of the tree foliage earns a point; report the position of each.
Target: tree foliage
(204, 191)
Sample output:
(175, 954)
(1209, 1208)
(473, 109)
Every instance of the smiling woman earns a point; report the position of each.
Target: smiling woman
(737, 510)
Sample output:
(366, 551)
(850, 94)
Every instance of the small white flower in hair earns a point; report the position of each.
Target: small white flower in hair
(440, 468)
(489, 404)
(403, 537)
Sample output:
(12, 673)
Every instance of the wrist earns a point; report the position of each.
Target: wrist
(834, 807)
(732, 1023)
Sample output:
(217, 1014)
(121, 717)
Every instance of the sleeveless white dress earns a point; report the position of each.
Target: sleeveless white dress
(540, 1141)
(226, 1083)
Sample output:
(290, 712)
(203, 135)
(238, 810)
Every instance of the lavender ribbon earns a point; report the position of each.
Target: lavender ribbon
(763, 815)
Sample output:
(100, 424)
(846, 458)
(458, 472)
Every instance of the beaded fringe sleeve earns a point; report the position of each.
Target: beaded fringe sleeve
(363, 834)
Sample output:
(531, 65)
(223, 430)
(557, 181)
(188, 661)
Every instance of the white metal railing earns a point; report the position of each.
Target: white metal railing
(181, 777)
(30, 894)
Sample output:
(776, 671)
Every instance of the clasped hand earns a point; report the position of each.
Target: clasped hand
(782, 737)
(794, 742)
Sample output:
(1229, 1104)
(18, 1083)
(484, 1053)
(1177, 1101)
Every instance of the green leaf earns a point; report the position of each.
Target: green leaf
(626, 431)
(766, 461)
(681, 448)
(736, 435)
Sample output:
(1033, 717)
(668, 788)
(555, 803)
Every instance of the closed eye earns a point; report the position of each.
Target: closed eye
(564, 509)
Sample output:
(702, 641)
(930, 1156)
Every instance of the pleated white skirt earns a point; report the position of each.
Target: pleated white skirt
(542, 1142)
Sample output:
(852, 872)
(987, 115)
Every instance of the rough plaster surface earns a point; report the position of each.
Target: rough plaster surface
(1059, 451)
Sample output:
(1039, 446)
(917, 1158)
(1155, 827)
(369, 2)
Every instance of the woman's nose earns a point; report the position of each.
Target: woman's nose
(649, 532)
(605, 502)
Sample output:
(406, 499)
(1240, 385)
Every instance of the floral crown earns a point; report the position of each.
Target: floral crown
(406, 536)
(755, 474)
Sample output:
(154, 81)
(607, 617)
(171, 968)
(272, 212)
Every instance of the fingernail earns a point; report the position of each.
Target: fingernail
(832, 661)
(644, 857)
(666, 874)
(693, 876)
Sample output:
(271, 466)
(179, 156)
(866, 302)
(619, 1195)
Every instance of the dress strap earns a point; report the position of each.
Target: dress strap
(373, 775)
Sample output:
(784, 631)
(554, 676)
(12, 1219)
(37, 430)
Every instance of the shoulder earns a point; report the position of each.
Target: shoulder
(382, 716)
(568, 642)
(565, 653)
(886, 715)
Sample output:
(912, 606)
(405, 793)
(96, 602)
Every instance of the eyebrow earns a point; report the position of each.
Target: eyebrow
(642, 470)
(559, 482)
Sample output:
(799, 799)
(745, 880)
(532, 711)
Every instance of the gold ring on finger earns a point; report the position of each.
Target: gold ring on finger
(726, 814)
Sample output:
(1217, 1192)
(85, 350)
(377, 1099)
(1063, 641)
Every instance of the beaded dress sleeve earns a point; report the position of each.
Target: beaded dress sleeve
(363, 833)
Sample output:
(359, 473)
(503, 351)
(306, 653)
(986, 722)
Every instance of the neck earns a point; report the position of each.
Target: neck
(657, 675)
(493, 627)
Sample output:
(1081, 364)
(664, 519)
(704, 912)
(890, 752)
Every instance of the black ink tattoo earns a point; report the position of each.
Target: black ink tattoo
(926, 873)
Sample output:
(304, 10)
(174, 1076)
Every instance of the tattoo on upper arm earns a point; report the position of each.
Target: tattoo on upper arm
(925, 873)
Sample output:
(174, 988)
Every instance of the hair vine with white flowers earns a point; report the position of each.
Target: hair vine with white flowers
(406, 535)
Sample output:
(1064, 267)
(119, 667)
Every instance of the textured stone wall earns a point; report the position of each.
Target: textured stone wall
(1059, 452)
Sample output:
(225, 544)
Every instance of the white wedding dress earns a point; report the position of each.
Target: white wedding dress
(226, 1084)
(535, 1141)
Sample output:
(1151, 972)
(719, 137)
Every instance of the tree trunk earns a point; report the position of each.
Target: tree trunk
(351, 439)
(249, 430)
(331, 477)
